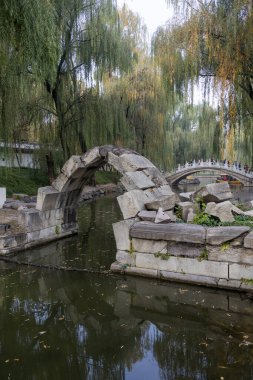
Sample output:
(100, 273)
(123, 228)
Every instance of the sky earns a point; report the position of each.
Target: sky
(153, 12)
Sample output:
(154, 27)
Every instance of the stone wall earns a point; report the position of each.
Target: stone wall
(218, 257)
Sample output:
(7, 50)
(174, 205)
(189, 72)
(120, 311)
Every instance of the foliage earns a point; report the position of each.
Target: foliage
(24, 181)
(206, 220)
(162, 256)
(247, 281)
(211, 41)
(203, 255)
(104, 177)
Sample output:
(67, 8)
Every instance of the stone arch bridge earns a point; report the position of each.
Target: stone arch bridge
(245, 177)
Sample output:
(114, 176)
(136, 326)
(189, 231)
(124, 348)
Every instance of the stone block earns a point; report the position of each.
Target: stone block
(162, 217)
(184, 249)
(189, 278)
(186, 207)
(74, 167)
(136, 180)
(114, 161)
(12, 241)
(248, 206)
(33, 220)
(131, 203)
(248, 240)
(92, 158)
(126, 258)
(49, 198)
(133, 162)
(122, 235)
(2, 196)
(240, 271)
(43, 234)
(189, 233)
(61, 182)
(142, 272)
(233, 255)
(149, 246)
(214, 192)
(166, 202)
(186, 197)
(147, 215)
(222, 210)
(182, 265)
(220, 235)
(229, 284)
(155, 176)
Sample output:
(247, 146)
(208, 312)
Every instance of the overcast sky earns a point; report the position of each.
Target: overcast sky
(153, 12)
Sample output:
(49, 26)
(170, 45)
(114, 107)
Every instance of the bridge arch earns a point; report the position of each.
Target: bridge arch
(138, 173)
(246, 178)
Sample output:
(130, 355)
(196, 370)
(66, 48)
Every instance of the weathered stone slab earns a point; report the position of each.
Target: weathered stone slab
(172, 216)
(126, 258)
(12, 241)
(142, 272)
(33, 220)
(214, 192)
(249, 213)
(233, 255)
(222, 210)
(92, 158)
(185, 249)
(131, 203)
(186, 197)
(182, 265)
(186, 207)
(149, 246)
(248, 240)
(220, 235)
(114, 161)
(229, 284)
(155, 176)
(136, 180)
(188, 278)
(190, 233)
(240, 271)
(147, 215)
(74, 167)
(162, 217)
(2, 196)
(49, 198)
(132, 162)
(166, 202)
(122, 236)
(43, 234)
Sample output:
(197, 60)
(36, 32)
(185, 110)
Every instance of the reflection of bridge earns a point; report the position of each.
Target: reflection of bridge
(244, 176)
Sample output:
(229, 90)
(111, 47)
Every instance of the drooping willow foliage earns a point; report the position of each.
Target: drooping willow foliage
(213, 40)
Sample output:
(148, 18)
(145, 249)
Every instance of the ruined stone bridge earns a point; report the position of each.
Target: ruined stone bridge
(146, 246)
(245, 177)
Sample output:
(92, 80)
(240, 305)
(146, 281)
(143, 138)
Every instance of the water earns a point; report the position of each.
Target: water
(72, 325)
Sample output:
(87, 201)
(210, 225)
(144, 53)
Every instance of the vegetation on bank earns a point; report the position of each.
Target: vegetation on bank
(27, 181)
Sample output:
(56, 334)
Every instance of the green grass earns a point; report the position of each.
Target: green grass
(103, 177)
(25, 181)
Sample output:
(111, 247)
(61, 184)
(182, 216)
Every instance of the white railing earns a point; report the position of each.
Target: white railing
(234, 167)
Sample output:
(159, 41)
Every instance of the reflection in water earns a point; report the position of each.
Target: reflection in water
(72, 325)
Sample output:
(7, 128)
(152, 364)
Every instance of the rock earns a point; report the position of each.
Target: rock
(248, 240)
(2, 196)
(136, 180)
(92, 158)
(122, 235)
(214, 192)
(186, 207)
(132, 162)
(131, 203)
(166, 202)
(147, 215)
(155, 176)
(190, 216)
(190, 233)
(220, 235)
(172, 216)
(248, 213)
(14, 205)
(223, 211)
(162, 217)
(185, 197)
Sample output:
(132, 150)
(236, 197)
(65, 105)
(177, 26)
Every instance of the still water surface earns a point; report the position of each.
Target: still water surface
(72, 325)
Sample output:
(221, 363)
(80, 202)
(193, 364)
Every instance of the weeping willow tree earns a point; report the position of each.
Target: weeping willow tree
(54, 55)
(211, 42)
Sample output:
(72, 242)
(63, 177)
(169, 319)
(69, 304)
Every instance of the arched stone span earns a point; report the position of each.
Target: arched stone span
(245, 178)
(139, 177)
